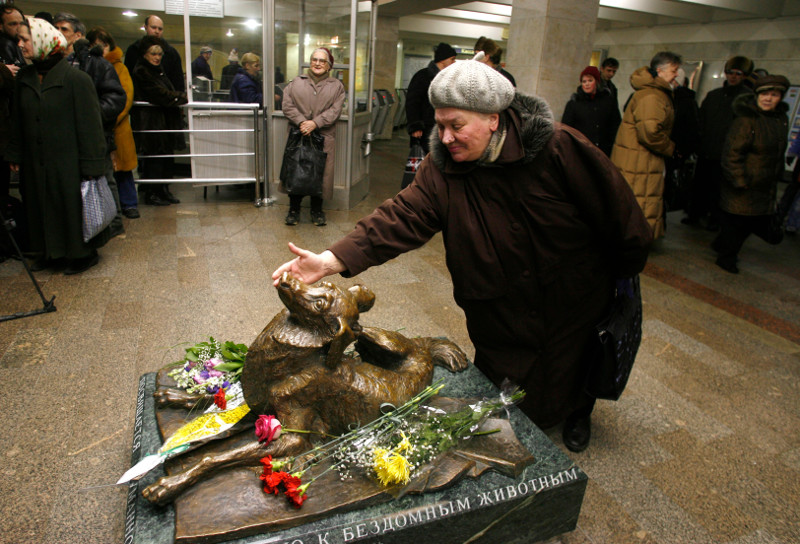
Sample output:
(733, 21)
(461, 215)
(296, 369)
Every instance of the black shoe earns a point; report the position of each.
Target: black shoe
(576, 433)
(318, 218)
(167, 195)
(76, 266)
(154, 200)
(715, 246)
(727, 266)
(131, 213)
(292, 218)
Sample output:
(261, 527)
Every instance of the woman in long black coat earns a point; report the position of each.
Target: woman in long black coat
(57, 140)
(151, 84)
(593, 111)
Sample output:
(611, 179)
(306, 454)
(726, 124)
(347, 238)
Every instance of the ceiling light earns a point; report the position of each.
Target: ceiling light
(229, 33)
(252, 24)
(130, 13)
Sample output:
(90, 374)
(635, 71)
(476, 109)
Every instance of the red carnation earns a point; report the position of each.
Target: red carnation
(219, 399)
(272, 482)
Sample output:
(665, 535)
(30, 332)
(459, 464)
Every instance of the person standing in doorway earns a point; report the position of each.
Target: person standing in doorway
(313, 102)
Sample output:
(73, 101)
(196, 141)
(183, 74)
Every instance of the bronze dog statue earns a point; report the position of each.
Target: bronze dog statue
(297, 369)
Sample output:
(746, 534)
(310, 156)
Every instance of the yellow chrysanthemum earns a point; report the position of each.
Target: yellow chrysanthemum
(405, 444)
(392, 468)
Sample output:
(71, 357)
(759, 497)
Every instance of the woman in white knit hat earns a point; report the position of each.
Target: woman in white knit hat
(537, 224)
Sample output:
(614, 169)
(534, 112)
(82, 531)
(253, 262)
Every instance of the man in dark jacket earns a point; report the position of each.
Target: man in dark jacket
(172, 63)
(11, 58)
(538, 227)
(10, 54)
(109, 90)
(419, 112)
(608, 70)
(716, 116)
(200, 66)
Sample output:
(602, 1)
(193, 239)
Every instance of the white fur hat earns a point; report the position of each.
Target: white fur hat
(471, 85)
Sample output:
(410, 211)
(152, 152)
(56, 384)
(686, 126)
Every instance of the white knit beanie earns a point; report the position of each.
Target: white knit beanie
(471, 85)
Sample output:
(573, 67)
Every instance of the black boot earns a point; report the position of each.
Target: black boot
(153, 199)
(167, 195)
(577, 433)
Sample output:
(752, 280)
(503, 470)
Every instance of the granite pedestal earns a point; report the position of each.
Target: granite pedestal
(542, 502)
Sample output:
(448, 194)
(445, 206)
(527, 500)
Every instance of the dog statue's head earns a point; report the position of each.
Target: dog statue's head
(323, 314)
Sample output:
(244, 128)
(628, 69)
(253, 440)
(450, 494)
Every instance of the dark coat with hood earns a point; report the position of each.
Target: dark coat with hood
(643, 143)
(110, 93)
(58, 140)
(419, 112)
(716, 116)
(246, 90)
(595, 116)
(752, 158)
(151, 84)
(534, 242)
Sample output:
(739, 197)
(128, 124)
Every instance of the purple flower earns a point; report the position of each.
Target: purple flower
(204, 374)
(212, 390)
(198, 379)
(214, 373)
(226, 384)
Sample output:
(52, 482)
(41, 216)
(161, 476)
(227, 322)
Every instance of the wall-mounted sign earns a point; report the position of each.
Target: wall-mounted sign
(197, 8)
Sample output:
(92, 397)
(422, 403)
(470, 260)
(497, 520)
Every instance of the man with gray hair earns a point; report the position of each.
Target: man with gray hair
(538, 227)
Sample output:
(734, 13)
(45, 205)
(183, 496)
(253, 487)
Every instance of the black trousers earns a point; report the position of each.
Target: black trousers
(155, 168)
(295, 200)
(737, 228)
(704, 193)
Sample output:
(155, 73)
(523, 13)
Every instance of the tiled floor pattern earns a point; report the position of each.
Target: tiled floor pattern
(703, 447)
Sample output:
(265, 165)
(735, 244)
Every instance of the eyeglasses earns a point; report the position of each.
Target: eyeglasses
(734, 72)
(319, 61)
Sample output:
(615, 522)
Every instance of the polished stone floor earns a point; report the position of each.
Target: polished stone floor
(703, 447)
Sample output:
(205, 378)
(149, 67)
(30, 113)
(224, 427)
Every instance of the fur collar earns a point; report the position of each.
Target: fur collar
(529, 115)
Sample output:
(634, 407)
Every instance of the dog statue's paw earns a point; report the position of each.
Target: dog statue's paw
(162, 492)
(176, 397)
(448, 355)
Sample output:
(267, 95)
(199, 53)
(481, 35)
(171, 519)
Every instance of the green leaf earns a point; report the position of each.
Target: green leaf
(228, 367)
(190, 356)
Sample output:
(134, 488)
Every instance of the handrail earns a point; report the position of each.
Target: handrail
(222, 107)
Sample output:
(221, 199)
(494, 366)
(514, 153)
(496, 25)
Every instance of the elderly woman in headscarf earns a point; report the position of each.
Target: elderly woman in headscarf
(313, 101)
(538, 227)
(57, 141)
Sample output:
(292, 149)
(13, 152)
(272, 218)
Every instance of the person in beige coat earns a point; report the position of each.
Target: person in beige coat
(643, 141)
(313, 101)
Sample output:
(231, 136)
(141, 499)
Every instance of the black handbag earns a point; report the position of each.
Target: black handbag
(415, 156)
(303, 164)
(620, 335)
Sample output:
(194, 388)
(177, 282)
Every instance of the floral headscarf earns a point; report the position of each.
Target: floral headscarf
(46, 39)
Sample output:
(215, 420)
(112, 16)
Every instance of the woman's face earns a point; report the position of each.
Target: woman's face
(24, 41)
(319, 63)
(588, 84)
(466, 134)
(154, 55)
(104, 45)
(769, 100)
(252, 68)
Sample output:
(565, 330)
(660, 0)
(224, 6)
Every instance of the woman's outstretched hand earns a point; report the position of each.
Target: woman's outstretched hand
(309, 267)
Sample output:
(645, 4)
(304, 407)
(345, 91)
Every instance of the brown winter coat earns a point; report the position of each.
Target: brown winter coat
(125, 158)
(534, 242)
(322, 103)
(643, 142)
(752, 159)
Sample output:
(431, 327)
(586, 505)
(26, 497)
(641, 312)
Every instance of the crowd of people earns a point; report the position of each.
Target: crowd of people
(543, 223)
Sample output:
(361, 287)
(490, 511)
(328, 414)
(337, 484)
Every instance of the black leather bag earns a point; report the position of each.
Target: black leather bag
(303, 164)
(620, 335)
(415, 156)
